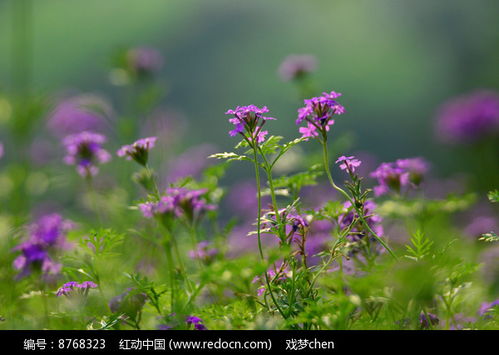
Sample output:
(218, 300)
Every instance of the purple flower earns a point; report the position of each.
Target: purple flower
(144, 61)
(73, 287)
(460, 322)
(416, 167)
(318, 113)
(79, 113)
(427, 322)
(87, 284)
(196, 321)
(357, 231)
(178, 202)
(390, 177)
(469, 118)
(1, 150)
(297, 66)
(85, 151)
(203, 252)
(348, 163)
(138, 151)
(46, 237)
(487, 307)
(396, 176)
(248, 121)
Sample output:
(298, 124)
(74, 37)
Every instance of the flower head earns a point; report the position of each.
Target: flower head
(73, 287)
(487, 307)
(427, 322)
(468, 118)
(248, 121)
(138, 151)
(46, 237)
(1, 150)
(178, 202)
(400, 174)
(297, 66)
(318, 113)
(85, 151)
(348, 164)
(196, 321)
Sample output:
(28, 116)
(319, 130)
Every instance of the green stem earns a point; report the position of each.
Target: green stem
(268, 170)
(347, 196)
(258, 224)
(171, 269)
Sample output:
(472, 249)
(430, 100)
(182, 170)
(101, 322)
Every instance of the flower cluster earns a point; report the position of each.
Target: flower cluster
(138, 151)
(196, 322)
(357, 230)
(295, 67)
(85, 151)
(349, 164)
(487, 307)
(248, 121)
(179, 202)
(203, 252)
(469, 118)
(46, 236)
(318, 113)
(428, 321)
(72, 287)
(400, 174)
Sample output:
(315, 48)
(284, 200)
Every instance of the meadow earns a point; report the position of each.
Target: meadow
(105, 225)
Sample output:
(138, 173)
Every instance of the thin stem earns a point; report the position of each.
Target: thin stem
(259, 203)
(171, 269)
(258, 224)
(268, 170)
(347, 196)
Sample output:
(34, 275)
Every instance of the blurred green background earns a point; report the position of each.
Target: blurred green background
(394, 61)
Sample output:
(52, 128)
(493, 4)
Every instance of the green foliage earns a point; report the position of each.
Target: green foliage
(490, 237)
(493, 196)
(421, 247)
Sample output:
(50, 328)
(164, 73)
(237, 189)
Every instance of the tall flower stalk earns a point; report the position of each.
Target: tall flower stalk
(248, 121)
(318, 114)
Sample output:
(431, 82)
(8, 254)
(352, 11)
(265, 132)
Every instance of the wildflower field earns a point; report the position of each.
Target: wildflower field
(106, 224)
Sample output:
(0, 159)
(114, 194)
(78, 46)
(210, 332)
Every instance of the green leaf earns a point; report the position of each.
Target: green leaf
(230, 156)
(271, 145)
(493, 196)
(421, 246)
(297, 181)
(490, 237)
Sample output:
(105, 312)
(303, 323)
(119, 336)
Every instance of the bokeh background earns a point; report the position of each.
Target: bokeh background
(394, 61)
